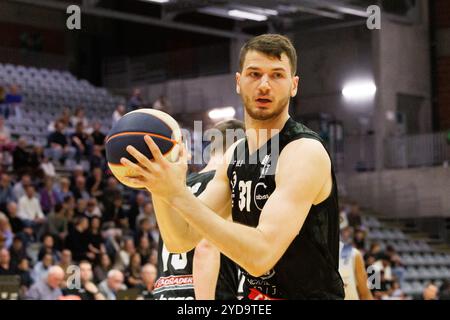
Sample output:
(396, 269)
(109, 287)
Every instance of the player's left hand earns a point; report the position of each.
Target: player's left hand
(159, 176)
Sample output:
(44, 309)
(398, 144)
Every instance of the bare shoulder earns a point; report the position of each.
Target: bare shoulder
(305, 151)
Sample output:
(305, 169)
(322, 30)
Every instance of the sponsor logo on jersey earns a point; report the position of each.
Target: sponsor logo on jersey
(174, 281)
(260, 195)
(258, 295)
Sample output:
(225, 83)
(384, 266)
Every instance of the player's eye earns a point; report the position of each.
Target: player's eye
(277, 75)
(254, 74)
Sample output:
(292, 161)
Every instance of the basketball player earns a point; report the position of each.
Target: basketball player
(175, 270)
(352, 267)
(285, 229)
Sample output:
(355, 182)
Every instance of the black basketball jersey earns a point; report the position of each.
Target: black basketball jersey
(175, 270)
(309, 267)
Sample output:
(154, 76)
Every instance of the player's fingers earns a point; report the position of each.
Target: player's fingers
(135, 180)
(154, 149)
(142, 160)
(136, 168)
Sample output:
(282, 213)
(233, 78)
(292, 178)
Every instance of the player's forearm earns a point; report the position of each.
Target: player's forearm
(205, 270)
(178, 236)
(244, 245)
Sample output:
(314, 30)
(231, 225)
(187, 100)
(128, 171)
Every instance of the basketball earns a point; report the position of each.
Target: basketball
(131, 130)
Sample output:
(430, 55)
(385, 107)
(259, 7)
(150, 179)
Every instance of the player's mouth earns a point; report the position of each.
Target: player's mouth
(263, 101)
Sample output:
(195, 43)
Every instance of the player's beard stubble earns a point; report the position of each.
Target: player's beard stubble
(262, 114)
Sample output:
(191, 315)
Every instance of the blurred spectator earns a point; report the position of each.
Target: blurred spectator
(135, 101)
(162, 104)
(64, 189)
(27, 234)
(57, 223)
(96, 184)
(6, 191)
(5, 263)
(48, 247)
(102, 269)
(64, 118)
(78, 240)
(96, 245)
(146, 229)
(6, 231)
(65, 262)
(19, 187)
(79, 190)
(88, 290)
(117, 212)
(78, 117)
(81, 207)
(111, 192)
(118, 113)
(48, 288)
(444, 290)
(5, 137)
(48, 196)
(396, 292)
(148, 275)
(23, 271)
(30, 208)
(97, 136)
(16, 222)
(80, 141)
(59, 148)
(92, 209)
(359, 240)
(46, 165)
(17, 252)
(2, 98)
(41, 268)
(144, 249)
(430, 292)
(136, 209)
(112, 284)
(13, 101)
(354, 216)
(21, 157)
(123, 257)
(133, 272)
(97, 159)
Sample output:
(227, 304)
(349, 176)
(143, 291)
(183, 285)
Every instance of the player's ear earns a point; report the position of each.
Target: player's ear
(238, 83)
(294, 87)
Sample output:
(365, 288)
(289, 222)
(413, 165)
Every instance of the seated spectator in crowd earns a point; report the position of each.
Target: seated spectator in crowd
(135, 102)
(13, 101)
(148, 275)
(47, 167)
(80, 141)
(58, 146)
(123, 257)
(15, 222)
(144, 249)
(430, 292)
(359, 239)
(48, 288)
(444, 290)
(79, 190)
(97, 159)
(57, 223)
(64, 189)
(19, 187)
(96, 184)
(27, 235)
(354, 216)
(79, 116)
(77, 171)
(97, 136)
(64, 118)
(112, 284)
(146, 229)
(48, 247)
(48, 196)
(30, 208)
(17, 252)
(2, 98)
(162, 104)
(6, 191)
(96, 245)
(118, 113)
(111, 192)
(6, 268)
(133, 272)
(92, 209)
(21, 157)
(41, 268)
(6, 231)
(78, 240)
(102, 268)
(66, 262)
(88, 290)
(117, 212)
(136, 209)
(5, 137)
(23, 271)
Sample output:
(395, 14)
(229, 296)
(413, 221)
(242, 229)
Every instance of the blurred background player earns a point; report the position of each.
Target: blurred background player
(175, 270)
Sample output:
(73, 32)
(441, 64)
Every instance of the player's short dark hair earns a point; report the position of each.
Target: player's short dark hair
(273, 45)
